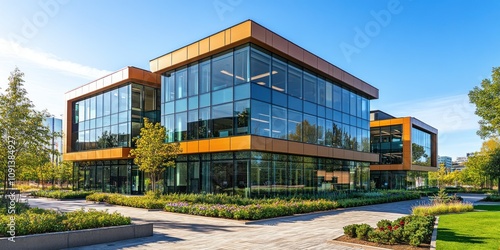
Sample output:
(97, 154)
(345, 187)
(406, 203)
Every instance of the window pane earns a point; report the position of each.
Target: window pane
(193, 80)
(205, 100)
(294, 82)
(321, 91)
(321, 131)
(222, 96)
(205, 77)
(222, 71)
(337, 98)
(169, 126)
(279, 75)
(222, 117)
(346, 101)
(328, 133)
(242, 91)
(114, 101)
(192, 126)
(180, 126)
(181, 83)
(193, 102)
(260, 64)
(329, 95)
(124, 97)
(294, 126)
(169, 87)
(309, 129)
(136, 97)
(241, 66)
(241, 113)
(352, 103)
(204, 123)
(279, 121)
(310, 87)
(260, 113)
(279, 98)
(98, 105)
(181, 105)
(261, 93)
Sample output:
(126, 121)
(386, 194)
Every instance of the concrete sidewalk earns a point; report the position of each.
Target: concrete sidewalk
(179, 231)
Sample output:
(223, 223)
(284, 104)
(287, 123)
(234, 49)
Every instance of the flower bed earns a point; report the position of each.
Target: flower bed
(36, 221)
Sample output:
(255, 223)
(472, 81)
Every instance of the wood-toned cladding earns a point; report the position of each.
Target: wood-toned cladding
(250, 31)
(236, 143)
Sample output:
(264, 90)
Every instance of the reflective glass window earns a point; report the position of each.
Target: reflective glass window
(180, 130)
(294, 103)
(204, 77)
(204, 100)
(329, 95)
(124, 98)
(170, 127)
(204, 123)
(352, 103)
(294, 126)
(279, 122)
(193, 102)
(260, 117)
(222, 96)
(321, 131)
(279, 98)
(92, 107)
(261, 93)
(241, 66)
(222, 71)
(294, 81)
(222, 118)
(310, 87)
(192, 125)
(278, 76)
(337, 98)
(114, 101)
(309, 129)
(242, 91)
(321, 91)
(169, 87)
(260, 67)
(181, 105)
(193, 80)
(310, 108)
(241, 116)
(181, 83)
(346, 98)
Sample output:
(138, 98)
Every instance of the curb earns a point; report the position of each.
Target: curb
(434, 234)
(364, 247)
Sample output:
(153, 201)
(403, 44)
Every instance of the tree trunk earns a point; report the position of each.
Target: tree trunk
(498, 185)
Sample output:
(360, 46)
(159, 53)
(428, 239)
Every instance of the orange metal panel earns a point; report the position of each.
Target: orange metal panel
(204, 46)
(310, 149)
(204, 146)
(240, 142)
(280, 146)
(192, 147)
(295, 147)
(258, 143)
(217, 41)
(165, 61)
(220, 144)
(397, 121)
(258, 32)
(193, 50)
(241, 31)
(295, 51)
(179, 55)
(106, 154)
(227, 38)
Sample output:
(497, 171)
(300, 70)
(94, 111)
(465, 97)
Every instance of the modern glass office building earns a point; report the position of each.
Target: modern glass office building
(254, 115)
(407, 151)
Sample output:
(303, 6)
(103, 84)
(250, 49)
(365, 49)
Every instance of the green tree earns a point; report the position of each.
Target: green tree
(21, 129)
(418, 152)
(493, 166)
(487, 101)
(152, 154)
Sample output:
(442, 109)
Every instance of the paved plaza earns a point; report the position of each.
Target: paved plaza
(179, 231)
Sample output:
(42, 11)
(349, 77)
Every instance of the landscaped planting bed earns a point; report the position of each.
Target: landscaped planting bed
(235, 207)
(61, 194)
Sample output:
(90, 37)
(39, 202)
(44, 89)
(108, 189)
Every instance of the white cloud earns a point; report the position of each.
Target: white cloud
(448, 114)
(13, 50)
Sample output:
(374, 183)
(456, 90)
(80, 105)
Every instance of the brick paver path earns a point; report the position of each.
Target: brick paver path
(179, 231)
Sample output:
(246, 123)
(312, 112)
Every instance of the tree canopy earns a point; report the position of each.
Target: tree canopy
(487, 100)
(24, 137)
(152, 154)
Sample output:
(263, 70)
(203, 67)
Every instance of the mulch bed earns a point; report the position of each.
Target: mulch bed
(344, 238)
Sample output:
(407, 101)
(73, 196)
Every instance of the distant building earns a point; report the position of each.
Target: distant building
(55, 144)
(461, 160)
(446, 161)
(407, 150)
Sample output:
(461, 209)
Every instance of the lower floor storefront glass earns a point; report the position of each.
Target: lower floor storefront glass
(247, 173)
(399, 179)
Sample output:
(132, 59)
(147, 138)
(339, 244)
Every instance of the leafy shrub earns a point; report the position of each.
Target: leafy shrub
(37, 220)
(350, 230)
(362, 231)
(493, 197)
(413, 230)
(61, 194)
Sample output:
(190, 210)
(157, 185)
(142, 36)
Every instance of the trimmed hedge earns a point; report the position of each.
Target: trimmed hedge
(492, 197)
(36, 221)
(61, 194)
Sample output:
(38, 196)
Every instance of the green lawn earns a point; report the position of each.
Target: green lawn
(472, 230)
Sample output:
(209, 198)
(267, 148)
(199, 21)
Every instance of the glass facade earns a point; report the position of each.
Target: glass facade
(262, 174)
(387, 141)
(112, 118)
(420, 147)
(248, 90)
(398, 179)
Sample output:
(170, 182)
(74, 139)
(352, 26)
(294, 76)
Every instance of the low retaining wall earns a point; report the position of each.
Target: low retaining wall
(77, 238)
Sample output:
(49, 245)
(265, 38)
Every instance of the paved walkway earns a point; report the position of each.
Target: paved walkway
(179, 231)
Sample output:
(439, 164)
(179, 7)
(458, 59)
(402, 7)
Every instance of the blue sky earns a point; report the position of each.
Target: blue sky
(423, 56)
